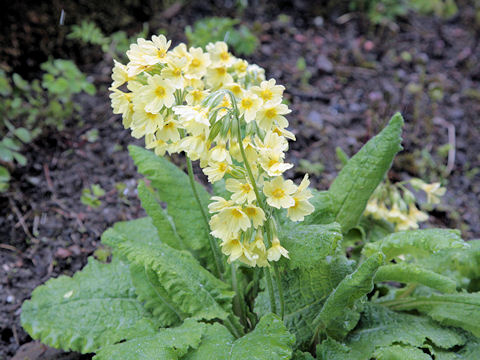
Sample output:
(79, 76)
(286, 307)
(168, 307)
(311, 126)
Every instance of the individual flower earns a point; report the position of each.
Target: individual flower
(218, 204)
(159, 146)
(228, 222)
(241, 189)
(233, 248)
(249, 105)
(218, 76)
(156, 94)
(268, 91)
(174, 71)
(199, 63)
(272, 162)
(271, 115)
(302, 206)
(160, 52)
(145, 122)
(216, 170)
(240, 67)
(142, 56)
(196, 96)
(219, 152)
(255, 214)
(279, 192)
(276, 251)
(219, 54)
(119, 75)
(434, 192)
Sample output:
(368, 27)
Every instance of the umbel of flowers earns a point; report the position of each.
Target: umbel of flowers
(220, 110)
(396, 203)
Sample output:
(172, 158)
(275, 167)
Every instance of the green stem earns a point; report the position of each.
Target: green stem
(239, 301)
(213, 244)
(235, 330)
(268, 278)
(280, 290)
(269, 234)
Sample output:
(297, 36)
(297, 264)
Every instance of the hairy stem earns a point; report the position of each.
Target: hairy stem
(213, 244)
(280, 290)
(271, 295)
(238, 301)
(268, 276)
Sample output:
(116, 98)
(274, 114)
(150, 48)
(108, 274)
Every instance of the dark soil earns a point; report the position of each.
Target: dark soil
(358, 79)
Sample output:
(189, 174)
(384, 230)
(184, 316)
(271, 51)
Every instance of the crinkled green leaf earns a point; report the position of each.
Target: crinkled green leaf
(340, 312)
(364, 171)
(380, 327)
(300, 355)
(154, 296)
(418, 243)
(305, 290)
(166, 344)
(308, 244)
(96, 307)
(400, 352)
(174, 188)
(460, 264)
(160, 219)
(461, 310)
(324, 209)
(410, 273)
(269, 340)
(192, 289)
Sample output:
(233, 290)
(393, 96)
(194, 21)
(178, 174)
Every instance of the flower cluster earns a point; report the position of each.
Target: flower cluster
(396, 204)
(220, 110)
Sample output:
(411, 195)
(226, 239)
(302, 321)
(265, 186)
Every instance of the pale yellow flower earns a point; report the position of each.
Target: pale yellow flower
(174, 71)
(236, 89)
(219, 54)
(218, 76)
(279, 192)
(119, 74)
(169, 131)
(142, 56)
(196, 96)
(271, 115)
(159, 146)
(158, 52)
(302, 206)
(268, 91)
(193, 118)
(276, 251)
(145, 122)
(218, 204)
(233, 248)
(396, 215)
(240, 67)
(255, 214)
(416, 214)
(272, 162)
(194, 145)
(250, 150)
(155, 95)
(199, 63)
(219, 152)
(242, 191)
(249, 105)
(434, 192)
(216, 170)
(258, 249)
(228, 223)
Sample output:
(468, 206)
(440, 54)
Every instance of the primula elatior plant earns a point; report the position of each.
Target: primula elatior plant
(344, 285)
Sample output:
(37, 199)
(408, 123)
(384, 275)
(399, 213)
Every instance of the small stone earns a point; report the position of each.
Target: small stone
(324, 64)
